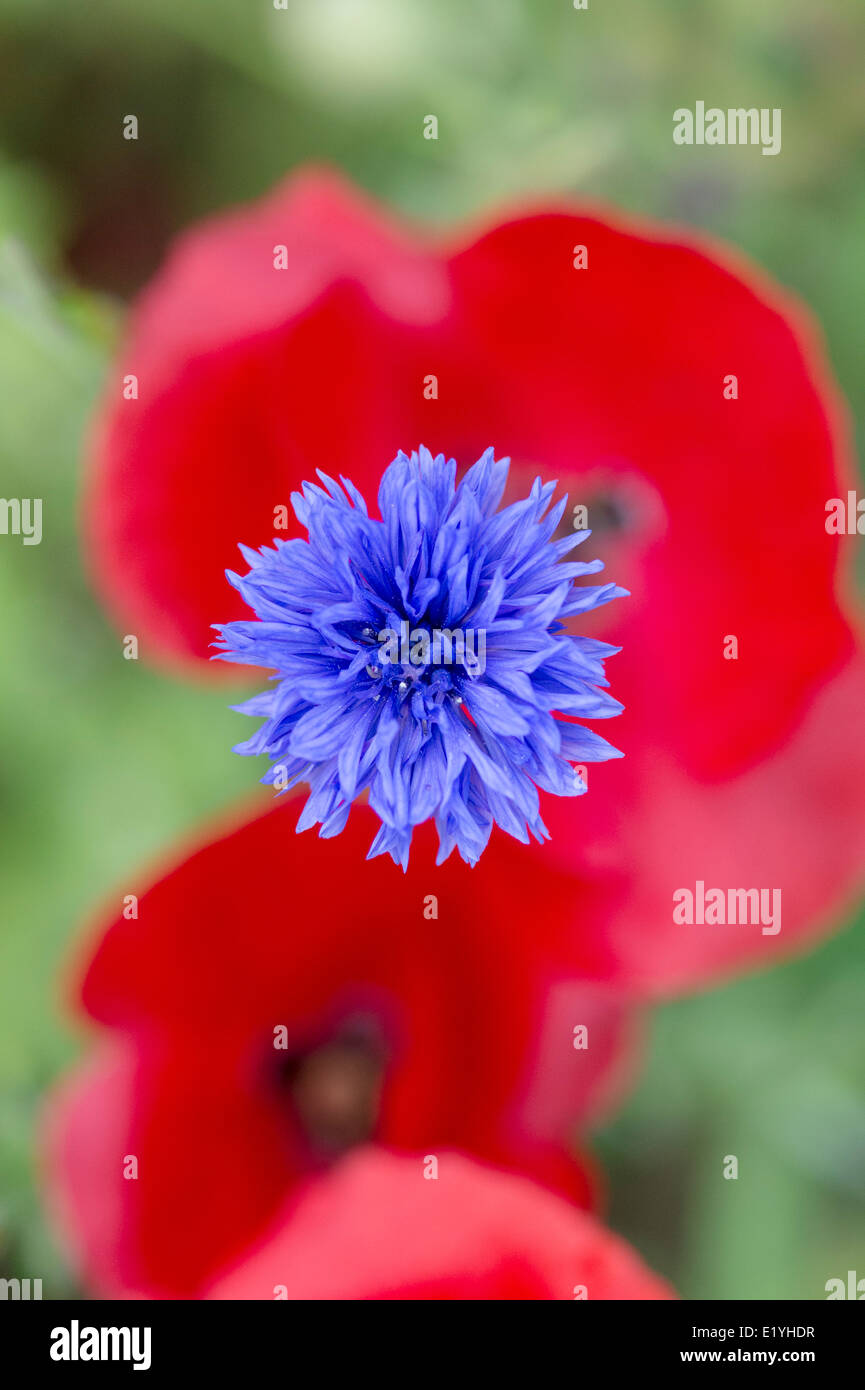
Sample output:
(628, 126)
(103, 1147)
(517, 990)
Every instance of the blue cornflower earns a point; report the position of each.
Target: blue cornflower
(421, 657)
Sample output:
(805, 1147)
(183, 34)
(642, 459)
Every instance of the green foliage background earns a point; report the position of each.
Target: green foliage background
(104, 763)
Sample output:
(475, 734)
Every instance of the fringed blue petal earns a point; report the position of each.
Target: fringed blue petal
(421, 657)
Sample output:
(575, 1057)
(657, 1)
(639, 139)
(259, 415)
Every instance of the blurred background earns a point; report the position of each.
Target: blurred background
(104, 763)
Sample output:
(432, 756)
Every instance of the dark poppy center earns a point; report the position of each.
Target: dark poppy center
(334, 1088)
(607, 514)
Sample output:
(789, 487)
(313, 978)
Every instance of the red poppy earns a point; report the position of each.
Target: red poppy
(672, 390)
(382, 1226)
(273, 1005)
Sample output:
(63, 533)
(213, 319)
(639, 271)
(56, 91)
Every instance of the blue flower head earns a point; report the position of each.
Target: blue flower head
(422, 657)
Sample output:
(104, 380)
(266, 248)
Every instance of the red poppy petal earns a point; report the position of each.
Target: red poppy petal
(375, 1228)
(611, 379)
(249, 377)
(201, 1144)
(489, 1045)
(794, 822)
(87, 1125)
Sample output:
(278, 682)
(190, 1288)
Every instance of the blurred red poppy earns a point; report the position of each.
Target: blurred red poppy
(272, 1007)
(678, 396)
(382, 1226)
